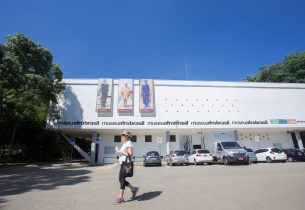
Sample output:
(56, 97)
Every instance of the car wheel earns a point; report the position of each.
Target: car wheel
(247, 163)
(144, 165)
(225, 161)
(283, 161)
(160, 164)
(210, 163)
(290, 159)
(268, 160)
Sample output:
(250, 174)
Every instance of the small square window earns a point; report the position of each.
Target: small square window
(172, 138)
(134, 139)
(117, 138)
(148, 138)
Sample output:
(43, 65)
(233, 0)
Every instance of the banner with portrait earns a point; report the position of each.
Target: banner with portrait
(146, 95)
(125, 95)
(104, 95)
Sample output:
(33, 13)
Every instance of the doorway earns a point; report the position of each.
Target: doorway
(303, 138)
(97, 146)
(295, 141)
(186, 143)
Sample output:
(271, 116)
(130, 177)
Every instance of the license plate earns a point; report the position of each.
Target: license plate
(153, 158)
(240, 158)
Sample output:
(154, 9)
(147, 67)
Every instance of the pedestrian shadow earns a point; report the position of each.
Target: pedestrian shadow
(14, 181)
(2, 201)
(148, 196)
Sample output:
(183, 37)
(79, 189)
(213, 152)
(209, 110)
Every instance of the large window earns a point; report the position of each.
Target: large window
(172, 138)
(148, 138)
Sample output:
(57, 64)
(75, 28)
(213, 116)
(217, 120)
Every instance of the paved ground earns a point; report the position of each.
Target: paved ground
(258, 186)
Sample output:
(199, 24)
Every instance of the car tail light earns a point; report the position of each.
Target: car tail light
(210, 154)
(198, 155)
(174, 155)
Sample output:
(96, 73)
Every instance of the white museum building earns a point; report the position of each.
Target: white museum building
(165, 115)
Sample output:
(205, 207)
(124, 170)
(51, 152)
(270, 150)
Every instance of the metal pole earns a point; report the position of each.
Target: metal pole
(71, 149)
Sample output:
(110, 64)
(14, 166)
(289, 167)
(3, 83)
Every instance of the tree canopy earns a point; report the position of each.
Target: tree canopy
(29, 81)
(290, 70)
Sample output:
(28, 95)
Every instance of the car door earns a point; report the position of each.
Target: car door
(191, 157)
(259, 155)
(219, 151)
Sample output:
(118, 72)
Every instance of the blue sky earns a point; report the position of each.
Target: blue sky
(219, 40)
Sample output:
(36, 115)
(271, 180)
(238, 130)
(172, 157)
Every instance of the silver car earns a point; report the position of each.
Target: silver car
(152, 158)
(177, 157)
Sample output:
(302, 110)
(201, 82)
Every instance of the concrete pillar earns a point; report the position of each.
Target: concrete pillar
(299, 139)
(92, 156)
(167, 143)
(101, 148)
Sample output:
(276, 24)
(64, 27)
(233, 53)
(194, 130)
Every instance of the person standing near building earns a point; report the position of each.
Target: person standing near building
(125, 151)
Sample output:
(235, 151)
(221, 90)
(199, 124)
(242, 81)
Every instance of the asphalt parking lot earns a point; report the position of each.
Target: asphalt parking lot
(257, 186)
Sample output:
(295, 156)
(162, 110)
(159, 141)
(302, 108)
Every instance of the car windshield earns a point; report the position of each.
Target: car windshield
(152, 154)
(276, 150)
(230, 145)
(181, 153)
(203, 151)
(249, 150)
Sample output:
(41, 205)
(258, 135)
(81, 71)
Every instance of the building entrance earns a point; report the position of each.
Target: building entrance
(186, 143)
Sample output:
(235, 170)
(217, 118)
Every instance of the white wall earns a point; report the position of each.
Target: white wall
(190, 101)
(193, 101)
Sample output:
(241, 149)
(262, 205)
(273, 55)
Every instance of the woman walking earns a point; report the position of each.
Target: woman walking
(125, 151)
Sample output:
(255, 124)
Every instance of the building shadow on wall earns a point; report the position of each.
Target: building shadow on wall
(14, 181)
(71, 109)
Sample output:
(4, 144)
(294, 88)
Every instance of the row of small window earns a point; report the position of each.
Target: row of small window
(148, 138)
(199, 110)
(204, 99)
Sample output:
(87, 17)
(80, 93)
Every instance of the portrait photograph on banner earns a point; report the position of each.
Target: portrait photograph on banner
(104, 95)
(125, 95)
(146, 95)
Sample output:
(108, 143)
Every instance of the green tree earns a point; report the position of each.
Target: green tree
(290, 70)
(29, 85)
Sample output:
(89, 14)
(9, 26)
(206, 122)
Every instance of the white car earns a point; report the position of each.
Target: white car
(270, 155)
(200, 156)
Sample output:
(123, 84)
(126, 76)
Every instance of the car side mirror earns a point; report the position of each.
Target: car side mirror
(161, 157)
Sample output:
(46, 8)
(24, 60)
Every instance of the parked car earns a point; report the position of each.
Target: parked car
(177, 157)
(251, 155)
(294, 154)
(152, 158)
(228, 152)
(200, 156)
(270, 155)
